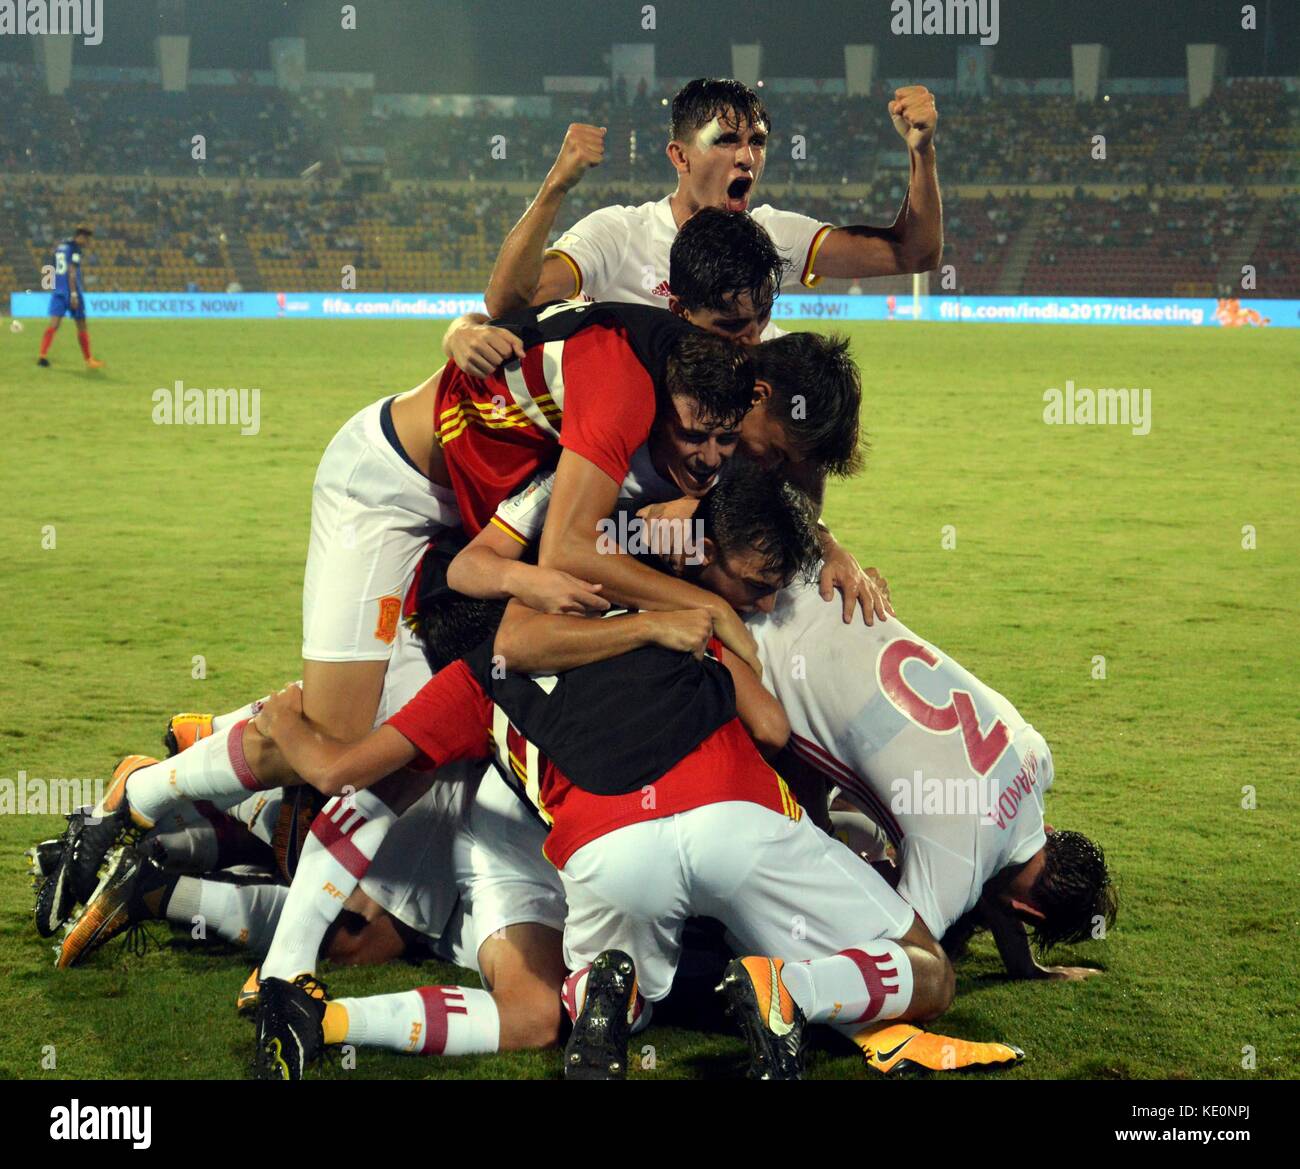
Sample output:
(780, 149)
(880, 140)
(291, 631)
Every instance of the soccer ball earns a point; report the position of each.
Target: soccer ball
(15, 326)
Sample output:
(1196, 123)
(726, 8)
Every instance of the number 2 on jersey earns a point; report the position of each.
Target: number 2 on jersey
(982, 749)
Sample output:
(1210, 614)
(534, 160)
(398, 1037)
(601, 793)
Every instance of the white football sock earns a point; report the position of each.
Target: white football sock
(210, 770)
(187, 850)
(260, 813)
(249, 710)
(433, 1020)
(854, 986)
(243, 914)
(343, 841)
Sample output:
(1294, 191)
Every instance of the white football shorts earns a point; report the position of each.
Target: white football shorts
(782, 888)
(372, 516)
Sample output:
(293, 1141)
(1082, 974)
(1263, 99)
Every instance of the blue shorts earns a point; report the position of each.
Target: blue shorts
(60, 307)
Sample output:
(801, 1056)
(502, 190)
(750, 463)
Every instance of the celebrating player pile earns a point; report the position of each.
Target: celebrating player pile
(536, 751)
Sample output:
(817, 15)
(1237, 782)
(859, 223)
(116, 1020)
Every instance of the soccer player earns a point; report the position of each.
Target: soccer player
(660, 807)
(576, 644)
(497, 432)
(718, 145)
(950, 770)
(69, 296)
(727, 273)
(383, 490)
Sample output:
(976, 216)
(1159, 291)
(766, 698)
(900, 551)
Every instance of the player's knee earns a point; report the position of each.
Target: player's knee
(947, 987)
(357, 942)
(263, 757)
(935, 990)
(530, 1017)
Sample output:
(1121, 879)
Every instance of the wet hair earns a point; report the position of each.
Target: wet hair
(719, 256)
(715, 373)
(698, 102)
(449, 623)
(749, 509)
(1073, 891)
(816, 396)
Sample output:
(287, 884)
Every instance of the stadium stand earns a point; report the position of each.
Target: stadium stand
(1183, 198)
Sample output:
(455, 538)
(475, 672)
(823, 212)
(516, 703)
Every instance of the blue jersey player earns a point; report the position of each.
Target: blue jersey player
(69, 296)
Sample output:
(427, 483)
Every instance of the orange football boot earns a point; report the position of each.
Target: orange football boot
(902, 1049)
(184, 730)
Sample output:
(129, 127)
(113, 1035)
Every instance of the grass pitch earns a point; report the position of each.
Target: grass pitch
(129, 548)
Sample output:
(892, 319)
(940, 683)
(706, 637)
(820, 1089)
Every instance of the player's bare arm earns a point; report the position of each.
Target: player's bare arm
(762, 715)
(523, 274)
(1012, 941)
(490, 567)
(914, 241)
(583, 496)
(329, 765)
(530, 642)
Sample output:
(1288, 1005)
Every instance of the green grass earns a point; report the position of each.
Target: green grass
(1071, 542)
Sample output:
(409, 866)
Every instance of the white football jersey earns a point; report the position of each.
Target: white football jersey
(942, 762)
(621, 253)
(522, 515)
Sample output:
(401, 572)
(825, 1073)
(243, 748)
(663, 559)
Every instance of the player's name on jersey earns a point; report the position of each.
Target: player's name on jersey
(184, 405)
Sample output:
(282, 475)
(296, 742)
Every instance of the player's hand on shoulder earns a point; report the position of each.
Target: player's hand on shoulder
(914, 114)
(480, 350)
(549, 590)
(280, 708)
(857, 588)
(682, 630)
(882, 588)
(583, 148)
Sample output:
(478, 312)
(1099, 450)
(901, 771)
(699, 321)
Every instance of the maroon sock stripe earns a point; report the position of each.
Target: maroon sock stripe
(875, 969)
(439, 1002)
(326, 829)
(235, 751)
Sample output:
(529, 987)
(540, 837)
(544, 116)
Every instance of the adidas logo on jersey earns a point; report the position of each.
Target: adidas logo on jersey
(661, 289)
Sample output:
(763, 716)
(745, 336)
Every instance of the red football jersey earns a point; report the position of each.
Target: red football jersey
(587, 383)
(454, 717)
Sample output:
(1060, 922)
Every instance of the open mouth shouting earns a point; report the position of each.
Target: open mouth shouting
(738, 193)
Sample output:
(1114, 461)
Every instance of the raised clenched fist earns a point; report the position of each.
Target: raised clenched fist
(914, 115)
(583, 148)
